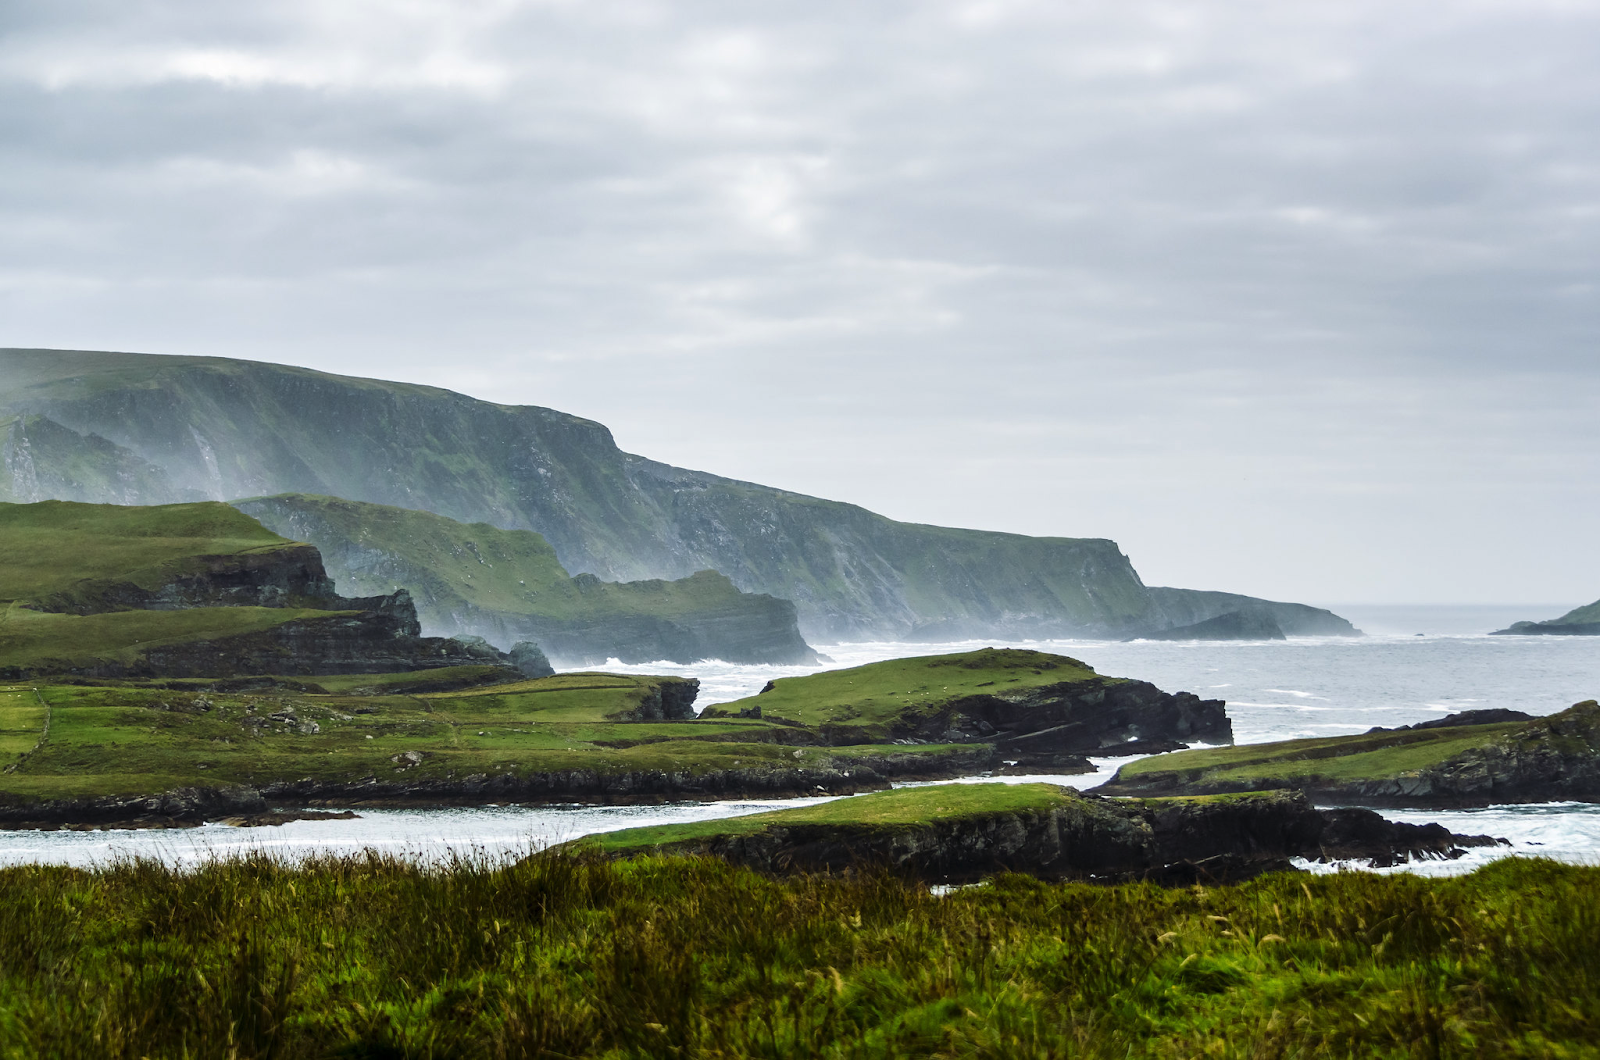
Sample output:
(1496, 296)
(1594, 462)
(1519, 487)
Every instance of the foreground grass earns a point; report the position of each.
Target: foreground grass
(561, 957)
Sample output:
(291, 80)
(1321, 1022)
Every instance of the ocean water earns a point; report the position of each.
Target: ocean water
(1415, 663)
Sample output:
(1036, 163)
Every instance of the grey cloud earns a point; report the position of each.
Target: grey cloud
(1274, 294)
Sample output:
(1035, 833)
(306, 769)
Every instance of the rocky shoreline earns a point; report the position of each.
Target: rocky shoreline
(1171, 842)
(194, 805)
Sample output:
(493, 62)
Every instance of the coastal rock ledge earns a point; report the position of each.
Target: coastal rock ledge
(1066, 834)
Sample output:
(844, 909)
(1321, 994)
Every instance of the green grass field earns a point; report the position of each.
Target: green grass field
(42, 641)
(559, 957)
(872, 698)
(136, 738)
(1336, 759)
(46, 548)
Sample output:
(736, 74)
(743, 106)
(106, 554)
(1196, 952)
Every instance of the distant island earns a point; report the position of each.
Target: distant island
(1579, 622)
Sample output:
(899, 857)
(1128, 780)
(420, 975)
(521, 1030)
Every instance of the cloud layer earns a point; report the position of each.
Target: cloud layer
(1297, 299)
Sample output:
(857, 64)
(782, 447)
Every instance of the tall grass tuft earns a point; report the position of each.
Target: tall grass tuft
(564, 956)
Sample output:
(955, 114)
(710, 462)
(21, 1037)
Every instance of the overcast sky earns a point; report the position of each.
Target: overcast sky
(1294, 299)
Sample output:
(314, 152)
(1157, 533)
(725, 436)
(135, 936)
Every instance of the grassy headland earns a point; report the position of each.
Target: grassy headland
(563, 957)
(49, 548)
(1554, 758)
(879, 697)
(887, 809)
(1030, 704)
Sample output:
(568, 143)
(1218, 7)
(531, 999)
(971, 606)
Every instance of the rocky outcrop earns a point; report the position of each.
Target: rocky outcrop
(1090, 837)
(290, 575)
(198, 428)
(1460, 719)
(1245, 624)
(669, 699)
(1551, 759)
(1103, 717)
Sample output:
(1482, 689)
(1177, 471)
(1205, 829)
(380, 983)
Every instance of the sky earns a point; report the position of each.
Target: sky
(1297, 299)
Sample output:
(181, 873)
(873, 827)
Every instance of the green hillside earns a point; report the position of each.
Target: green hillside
(346, 734)
(880, 696)
(47, 548)
(508, 586)
(139, 428)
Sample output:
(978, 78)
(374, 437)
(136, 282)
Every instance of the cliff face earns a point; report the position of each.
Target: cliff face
(129, 428)
(507, 586)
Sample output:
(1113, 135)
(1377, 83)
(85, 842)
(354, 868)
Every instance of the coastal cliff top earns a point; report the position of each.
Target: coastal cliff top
(885, 692)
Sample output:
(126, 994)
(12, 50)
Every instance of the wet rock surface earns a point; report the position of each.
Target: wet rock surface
(1092, 837)
(1101, 717)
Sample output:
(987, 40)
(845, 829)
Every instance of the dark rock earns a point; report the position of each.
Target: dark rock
(1550, 629)
(527, 657)
(670, 699)
(1487, 716)
(1092, 837)
(1099, 717)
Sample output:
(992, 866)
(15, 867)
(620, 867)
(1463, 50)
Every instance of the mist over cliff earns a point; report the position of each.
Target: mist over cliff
(143, 429)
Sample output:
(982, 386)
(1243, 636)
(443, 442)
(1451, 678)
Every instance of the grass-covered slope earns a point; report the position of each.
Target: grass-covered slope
(184, 590)
(360, 738)
(904, 807)
(1025, 702)
(76, 579)
(196, 428)
(1549, 759)
(558, 957)
(48, 548)
(508, 586)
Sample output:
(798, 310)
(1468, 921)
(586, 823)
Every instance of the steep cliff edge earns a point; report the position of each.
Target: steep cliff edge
(128, 427)
(191, 590)
(508, 586)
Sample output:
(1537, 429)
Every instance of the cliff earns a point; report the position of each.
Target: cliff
(190, 590)
(507, 586)
(146, 429)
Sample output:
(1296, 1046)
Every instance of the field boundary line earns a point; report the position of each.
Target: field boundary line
(43, 736)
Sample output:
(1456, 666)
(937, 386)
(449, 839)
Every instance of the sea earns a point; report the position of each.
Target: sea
(1413, 664)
